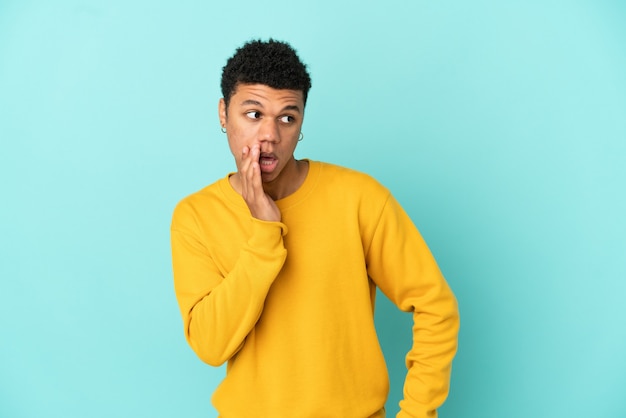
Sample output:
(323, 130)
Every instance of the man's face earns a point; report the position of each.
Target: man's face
(258, 114)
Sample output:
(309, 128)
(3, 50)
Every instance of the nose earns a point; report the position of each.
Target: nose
(268, 131)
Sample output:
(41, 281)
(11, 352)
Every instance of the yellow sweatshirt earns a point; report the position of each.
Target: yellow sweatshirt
(289, 305)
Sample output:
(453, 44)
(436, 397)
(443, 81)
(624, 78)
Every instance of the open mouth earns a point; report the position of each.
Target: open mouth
(268, 163)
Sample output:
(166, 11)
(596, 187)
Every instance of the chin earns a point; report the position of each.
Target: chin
(269, 177)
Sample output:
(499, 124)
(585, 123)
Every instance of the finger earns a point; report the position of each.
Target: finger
(244, 160)
(254, 182)
(244, 165)
(255, 155)
(254, 185)
(252, 161)
(251, 174)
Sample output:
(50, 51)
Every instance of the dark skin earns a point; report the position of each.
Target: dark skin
(263, 125)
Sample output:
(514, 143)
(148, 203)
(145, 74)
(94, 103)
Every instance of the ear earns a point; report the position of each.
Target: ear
(221, 111)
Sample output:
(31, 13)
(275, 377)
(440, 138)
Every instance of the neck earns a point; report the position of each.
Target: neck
(289, 180)
(286, 183)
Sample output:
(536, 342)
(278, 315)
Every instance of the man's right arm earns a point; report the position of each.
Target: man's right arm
(219, 310)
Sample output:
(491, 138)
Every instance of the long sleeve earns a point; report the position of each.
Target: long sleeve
(221, 297)
(292, 311)
(403, 267)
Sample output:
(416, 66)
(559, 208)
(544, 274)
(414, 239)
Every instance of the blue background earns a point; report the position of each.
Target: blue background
(500, 126)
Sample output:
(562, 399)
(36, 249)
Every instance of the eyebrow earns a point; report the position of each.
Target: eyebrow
(251, 102)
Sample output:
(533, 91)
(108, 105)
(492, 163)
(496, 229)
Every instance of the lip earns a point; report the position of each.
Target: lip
(268, 163)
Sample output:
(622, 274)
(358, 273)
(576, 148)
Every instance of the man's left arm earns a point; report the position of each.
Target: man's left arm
(402, 266)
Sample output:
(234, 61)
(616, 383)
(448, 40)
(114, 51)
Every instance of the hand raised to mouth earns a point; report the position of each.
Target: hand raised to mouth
(260, 203)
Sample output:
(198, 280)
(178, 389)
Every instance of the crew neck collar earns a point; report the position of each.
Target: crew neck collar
(288, 201)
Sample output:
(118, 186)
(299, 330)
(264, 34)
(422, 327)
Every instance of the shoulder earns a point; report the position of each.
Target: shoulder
(203, 201)
(208, 192)
(350, 180)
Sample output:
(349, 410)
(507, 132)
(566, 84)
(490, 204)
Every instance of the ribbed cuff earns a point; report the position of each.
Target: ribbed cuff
(267, 234)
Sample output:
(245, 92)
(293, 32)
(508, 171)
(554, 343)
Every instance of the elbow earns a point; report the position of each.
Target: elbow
(210, 354)
(211, 357)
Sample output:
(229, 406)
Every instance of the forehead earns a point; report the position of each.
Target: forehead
(266, 95)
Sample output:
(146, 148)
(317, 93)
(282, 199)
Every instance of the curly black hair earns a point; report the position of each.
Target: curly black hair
(272, 63)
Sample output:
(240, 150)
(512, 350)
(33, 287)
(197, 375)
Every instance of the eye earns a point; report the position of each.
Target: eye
(286, 119)
(253, 114)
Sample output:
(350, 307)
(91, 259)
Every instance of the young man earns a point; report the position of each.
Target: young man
(276, 266)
